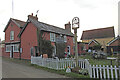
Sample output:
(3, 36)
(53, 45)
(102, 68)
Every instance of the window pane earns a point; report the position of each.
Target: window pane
(16, 48)
(12, 35)
(65, 39)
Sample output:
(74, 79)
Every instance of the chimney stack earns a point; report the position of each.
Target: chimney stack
(33, 17)
(68, 27)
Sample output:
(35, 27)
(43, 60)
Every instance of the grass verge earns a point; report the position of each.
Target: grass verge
(61, 72)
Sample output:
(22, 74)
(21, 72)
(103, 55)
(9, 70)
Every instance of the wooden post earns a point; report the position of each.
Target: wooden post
(90, 71)
(108, 76)
(94, 70)
(76, 51)
(111, 72)
(104, 71)
(116, 76)
(119, 72)
(97, 71)
(100, 71)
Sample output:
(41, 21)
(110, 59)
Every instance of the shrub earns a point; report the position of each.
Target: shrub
(60, 50)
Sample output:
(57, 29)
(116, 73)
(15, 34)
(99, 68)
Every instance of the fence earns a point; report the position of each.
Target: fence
(95, 71)
(104, 72)
(58, 64)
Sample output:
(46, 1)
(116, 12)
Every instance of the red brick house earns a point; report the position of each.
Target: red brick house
(114, 45)
(82, 47)
(21, 37)
(98, 36)
(12, 42)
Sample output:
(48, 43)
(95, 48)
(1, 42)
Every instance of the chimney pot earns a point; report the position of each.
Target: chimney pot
(32, 14)
(33, 17)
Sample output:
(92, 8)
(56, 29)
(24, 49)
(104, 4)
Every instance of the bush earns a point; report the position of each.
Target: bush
(83, 71)
(60, 50)
(47, 48)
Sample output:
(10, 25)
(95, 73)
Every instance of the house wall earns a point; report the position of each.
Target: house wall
(71, 44)
(68, 43)
(11, 27)
(80, 51)
(28, 40)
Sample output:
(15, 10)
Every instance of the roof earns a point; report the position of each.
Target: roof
(19, 23)
(98, 33)
(47, 27)
(117, 38)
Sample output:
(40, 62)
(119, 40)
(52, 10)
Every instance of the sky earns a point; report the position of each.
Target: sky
(93, 14)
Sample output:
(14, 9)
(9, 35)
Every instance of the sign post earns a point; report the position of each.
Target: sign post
(75, 26)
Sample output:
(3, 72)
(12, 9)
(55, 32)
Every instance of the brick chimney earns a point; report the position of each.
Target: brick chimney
(68, 27)
(33, 17)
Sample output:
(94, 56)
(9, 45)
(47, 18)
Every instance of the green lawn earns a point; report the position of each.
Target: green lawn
(93, 61)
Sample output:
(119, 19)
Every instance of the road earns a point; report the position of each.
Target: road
(16, 70)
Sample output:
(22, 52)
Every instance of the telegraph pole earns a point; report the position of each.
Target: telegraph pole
(75, 26)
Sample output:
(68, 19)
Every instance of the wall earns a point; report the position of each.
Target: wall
(28, 40)
(71, 44)
(11, 27)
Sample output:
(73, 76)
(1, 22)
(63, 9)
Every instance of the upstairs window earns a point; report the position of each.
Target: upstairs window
(12, 35)
(52, 37)
(65, 38)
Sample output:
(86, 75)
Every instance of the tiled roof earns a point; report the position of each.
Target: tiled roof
(19, 23)
(98, 33)
(50, 28)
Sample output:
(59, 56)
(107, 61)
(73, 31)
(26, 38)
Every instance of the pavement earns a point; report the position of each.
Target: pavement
(16, 70)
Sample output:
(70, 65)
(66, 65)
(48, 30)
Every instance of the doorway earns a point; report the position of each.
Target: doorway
(11, 52)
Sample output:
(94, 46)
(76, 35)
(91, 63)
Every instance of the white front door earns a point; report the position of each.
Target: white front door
(11, 52)
(54, 51)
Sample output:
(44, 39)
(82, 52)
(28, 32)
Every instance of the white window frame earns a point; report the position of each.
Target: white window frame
(14, 45)
(16, 49)
(54, 51)
(52, 37)
(68, 48)
(65, 38)
(12, 35)
(84, 47)
(8, 48)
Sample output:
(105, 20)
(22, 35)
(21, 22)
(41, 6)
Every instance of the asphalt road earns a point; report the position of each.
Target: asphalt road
(16, 70)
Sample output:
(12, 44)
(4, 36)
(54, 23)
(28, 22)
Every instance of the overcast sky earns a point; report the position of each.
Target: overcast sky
(93, 14)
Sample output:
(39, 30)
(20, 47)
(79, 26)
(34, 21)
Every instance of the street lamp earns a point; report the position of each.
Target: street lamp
(75, 26)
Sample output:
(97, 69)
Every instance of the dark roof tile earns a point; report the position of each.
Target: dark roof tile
(98, 33)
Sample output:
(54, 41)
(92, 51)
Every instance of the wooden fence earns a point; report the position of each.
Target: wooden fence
(58, 64)
(104, 72)
(95, 71)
